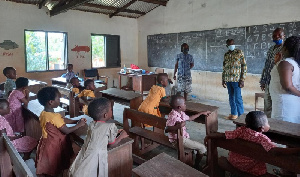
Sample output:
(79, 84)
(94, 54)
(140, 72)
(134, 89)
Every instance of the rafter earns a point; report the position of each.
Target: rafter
(92, 11)
(122, 8)
(113, 8)
(41, 4)
(59, 9)
(162, 3)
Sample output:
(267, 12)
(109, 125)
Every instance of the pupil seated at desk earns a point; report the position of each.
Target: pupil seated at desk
(157, 93)
(70, 73)
(176, 120)
(54, 150)
(92, 158)
(23, 144)
(76, 87)
(256, 124)
(87, 95)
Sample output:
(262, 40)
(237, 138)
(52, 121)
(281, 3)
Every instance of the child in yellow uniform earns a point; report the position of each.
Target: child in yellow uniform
(156, 94)
(76, 87)
(87, 94)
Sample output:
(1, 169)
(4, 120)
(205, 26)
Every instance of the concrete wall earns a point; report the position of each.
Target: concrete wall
(79, 26)
(198, 15)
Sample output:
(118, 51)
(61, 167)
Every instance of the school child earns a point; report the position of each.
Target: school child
(87, 94)
(16, 98)
(156, 94)
(92, 158)
(256, 124)
(70, 73)
(54, 149)
(176, 120)
(23, 144)
(10, 74)
(76, 87)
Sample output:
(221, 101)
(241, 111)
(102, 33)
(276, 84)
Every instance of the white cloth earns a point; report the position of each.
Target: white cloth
(285, 106)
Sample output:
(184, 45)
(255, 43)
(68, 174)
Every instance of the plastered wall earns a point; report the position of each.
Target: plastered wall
(197, 15)
(15, 17)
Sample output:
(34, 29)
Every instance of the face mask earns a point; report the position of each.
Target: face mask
(278, 42)
(185, 50)
(231, 47)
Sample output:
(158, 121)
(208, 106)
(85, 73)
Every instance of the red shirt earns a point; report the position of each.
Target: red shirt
(247, 164)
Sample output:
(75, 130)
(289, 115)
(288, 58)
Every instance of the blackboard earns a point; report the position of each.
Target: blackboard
(208, 47)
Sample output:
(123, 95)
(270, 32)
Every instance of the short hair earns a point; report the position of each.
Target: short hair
(69, 64)
(88, 82)
(46, 94)
(3, 102)
(255, 120)
(161, 76)
(73, 78)
(175, 100)
(292, 44)
(228, 40)
(98, 107)
(279, 29)
(7, 69)
(182, 45)
(22, 82)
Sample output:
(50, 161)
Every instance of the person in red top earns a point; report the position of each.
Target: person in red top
(256, 124)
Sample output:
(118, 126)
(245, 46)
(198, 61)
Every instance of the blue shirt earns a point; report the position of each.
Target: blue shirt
(69, 76)
(9, 86)
(184, 64)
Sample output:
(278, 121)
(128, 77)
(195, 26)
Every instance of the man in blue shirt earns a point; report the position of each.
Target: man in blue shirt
(184, 64)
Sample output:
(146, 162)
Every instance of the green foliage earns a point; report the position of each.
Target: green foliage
(98, 51)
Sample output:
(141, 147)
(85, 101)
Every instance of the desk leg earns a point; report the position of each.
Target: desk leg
(211, 122)
(136, 102)
(120, 82)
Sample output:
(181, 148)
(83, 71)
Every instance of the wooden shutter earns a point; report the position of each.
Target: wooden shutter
(113, 51)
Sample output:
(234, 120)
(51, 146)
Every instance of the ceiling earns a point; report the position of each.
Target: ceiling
(124, 8)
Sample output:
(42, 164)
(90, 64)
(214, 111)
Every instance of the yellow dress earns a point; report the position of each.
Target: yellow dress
(75, 90)
(86, 93)
(151, 103)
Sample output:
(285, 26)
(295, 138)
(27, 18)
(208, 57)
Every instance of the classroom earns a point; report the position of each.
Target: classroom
(81, 24)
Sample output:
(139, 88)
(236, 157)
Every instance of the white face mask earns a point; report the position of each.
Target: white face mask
(231, 47)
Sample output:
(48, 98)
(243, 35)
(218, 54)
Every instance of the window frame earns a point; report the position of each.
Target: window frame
(66, 48)
(105, 35)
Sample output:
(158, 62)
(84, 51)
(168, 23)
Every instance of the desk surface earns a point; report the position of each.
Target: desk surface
(165, 165)
(194, 107)
(36, 108)
(276, 126)
(127, 95)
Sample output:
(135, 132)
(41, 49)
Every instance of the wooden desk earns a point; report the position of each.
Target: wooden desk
(59, 81)
(34, 86)
(31, 115)
(281, 132)
(167, 166)
(140, 83)
(211, 121)
(119, 158)
(130, 98)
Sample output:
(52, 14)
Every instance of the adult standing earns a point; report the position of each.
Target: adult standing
(278, 37)
(184, 64)
(285, 83)
(233, 76)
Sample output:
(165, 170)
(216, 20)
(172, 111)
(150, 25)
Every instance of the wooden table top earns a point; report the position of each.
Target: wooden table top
(115, 92)
(165, 165)
(36, 108)
(60, 79)
(194, 107)
(276, 126)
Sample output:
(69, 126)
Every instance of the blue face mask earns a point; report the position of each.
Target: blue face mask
(278, 42)
(231, 47)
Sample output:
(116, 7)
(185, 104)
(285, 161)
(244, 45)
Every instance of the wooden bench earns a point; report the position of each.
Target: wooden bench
(218, 166)
(281, 132)
(137, 132)
(11, 163)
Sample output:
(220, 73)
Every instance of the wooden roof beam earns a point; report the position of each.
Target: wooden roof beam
(41, 4)
(59, 9)
(113, 8)
(122, 8)
(162, 3)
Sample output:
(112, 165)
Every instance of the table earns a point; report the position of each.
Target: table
(59, 81)
(119, 157)
(123, 97)
(281, 132)
(140, 83)
(192, 108)
(167, 166)
(34, 86)
(31, 118)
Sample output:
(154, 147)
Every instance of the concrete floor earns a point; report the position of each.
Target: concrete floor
(196, 130)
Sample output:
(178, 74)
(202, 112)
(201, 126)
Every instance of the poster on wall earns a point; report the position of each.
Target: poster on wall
(7, 45)
(81, 51)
